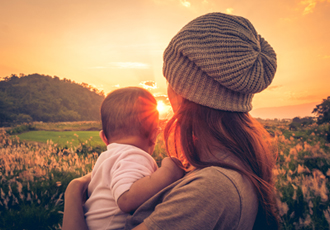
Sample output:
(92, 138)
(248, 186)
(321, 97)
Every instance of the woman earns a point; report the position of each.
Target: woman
(214, 66)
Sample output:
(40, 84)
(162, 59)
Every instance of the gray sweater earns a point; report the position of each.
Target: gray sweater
(209, 198)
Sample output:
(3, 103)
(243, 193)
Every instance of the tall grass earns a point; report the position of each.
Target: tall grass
(33, 177)
(303, 172)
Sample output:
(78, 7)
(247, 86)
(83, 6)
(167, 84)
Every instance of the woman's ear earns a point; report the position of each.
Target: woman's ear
(174, 98)
(103, 137)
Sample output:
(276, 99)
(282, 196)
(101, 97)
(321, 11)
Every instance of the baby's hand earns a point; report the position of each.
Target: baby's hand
(172, 164)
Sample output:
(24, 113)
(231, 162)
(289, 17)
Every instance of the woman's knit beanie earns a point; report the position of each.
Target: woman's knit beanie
(220, 61)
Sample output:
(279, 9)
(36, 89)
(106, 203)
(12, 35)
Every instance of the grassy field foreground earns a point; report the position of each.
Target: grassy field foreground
(63, 138)
(33, 177)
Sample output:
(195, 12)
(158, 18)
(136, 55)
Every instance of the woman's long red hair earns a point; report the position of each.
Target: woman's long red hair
(196, 129)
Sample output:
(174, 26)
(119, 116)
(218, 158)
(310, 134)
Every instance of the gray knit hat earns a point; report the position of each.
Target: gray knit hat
(219, 60)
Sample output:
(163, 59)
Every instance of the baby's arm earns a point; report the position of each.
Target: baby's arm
(146, 187)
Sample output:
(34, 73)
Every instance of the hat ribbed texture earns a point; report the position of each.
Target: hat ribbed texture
(219, 60)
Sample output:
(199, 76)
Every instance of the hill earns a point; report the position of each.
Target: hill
(38, 97)
(283, 112)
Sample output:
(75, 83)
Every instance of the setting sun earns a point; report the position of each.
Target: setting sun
(160, 106)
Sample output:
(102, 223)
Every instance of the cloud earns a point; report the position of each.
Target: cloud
(162, 98)
(149, 84)
(185, 3)
(229, 11)
(97, 67)
(287, 20)
(123, 65)
(310, 5)
(301, 96)
(162, 2)
(274, 87)
(128, 65)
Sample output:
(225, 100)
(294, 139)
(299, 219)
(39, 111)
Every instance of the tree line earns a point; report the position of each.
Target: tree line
(36, 97)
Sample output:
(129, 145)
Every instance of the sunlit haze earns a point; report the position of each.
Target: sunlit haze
(160, 106)
(110, 44)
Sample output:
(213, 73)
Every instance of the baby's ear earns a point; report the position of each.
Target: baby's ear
(103, 137)
(153, 137)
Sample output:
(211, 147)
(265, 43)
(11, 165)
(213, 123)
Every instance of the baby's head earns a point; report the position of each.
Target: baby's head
(130, 111)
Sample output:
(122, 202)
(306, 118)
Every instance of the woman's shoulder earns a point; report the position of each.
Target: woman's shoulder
(230, 191)
(212, 181)
(214, 174)
(220, 178)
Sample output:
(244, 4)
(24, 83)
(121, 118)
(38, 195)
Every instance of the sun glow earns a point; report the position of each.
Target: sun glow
(160, 106)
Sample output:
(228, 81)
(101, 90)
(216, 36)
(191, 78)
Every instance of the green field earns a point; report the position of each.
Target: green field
(63, 138)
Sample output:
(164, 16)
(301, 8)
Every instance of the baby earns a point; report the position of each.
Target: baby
(125, 175)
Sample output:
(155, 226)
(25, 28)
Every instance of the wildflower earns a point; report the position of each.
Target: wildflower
(302, 169)
(305, 222)
(59, 199)
(282, 207)
(15, 200)
(58, 183)
(307, 147)
(318, 174)
(293, 152)
(287, 158)
(294, 197)
(292, 214)
(2, 194)
(28, 198)
(21, 196)
(288, 178)
(9, 190)
(299, 147)
(315, 183)
(5, 202)
(310, 206)
(327, 215)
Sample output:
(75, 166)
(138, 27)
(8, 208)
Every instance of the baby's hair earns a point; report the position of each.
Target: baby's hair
(128, 112)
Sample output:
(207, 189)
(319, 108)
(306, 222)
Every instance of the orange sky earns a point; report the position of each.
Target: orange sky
(111, 43)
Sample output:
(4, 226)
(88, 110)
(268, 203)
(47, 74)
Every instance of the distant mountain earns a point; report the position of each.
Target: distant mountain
(38, 97)
(283, 112)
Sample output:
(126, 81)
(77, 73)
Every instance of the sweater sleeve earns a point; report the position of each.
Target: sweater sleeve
(200, 203)
(130, 167)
